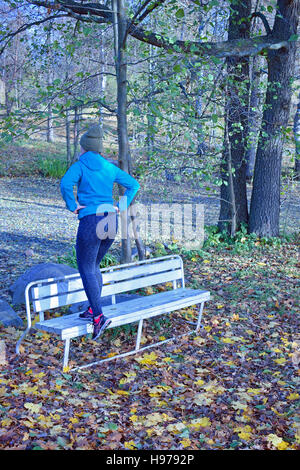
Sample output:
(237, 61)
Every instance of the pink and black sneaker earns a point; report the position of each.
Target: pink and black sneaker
(87, 315)
(100, 324)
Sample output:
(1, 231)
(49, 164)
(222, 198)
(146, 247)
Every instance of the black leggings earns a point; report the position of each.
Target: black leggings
(92, 243)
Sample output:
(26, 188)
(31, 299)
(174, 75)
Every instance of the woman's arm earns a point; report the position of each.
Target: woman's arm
(67, 183)
(132, 186)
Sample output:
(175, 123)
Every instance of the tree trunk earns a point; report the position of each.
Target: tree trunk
(236, 114)
(297, 139)
(68, 138)
(50, 131)
(123, 144)
(77, 112)
(265, 201)
(254, 116)
(101, 91)
(150, 117)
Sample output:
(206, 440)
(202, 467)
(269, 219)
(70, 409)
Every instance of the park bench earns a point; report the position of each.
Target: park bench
(47, 294)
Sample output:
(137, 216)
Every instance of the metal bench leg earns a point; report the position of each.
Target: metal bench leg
(139, 335)
(199, 316)
(21, 339)
(66, 353)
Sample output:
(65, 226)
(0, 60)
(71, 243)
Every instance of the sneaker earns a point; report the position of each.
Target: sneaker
(87, 315)
(100, 324)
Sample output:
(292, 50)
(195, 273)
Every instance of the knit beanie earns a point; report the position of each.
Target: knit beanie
(91, 140)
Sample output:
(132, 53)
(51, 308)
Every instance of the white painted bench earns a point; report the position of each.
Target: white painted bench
(47, 294)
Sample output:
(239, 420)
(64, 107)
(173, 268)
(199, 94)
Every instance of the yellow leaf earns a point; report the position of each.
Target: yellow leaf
(154, 418)
(206, 261)
(33, 407)
(28, 424)
(244, 435)
(220, 306)
(74, 420)
(147, 359)
(168, 359)
(157, 391)
(244, 432)
(133, 418)
(122, 392)
(186, 442)
(6, 422)
(176, 428)
(227, 340)
(126, 380)
(282, 360)
(277, 442)
(283, 445)
(293, 396)
(130, 445)
(199, 382)
(254, 391)
(200, 423)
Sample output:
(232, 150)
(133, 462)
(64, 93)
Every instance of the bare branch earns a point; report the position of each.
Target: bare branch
(235, 47)
(26, 26)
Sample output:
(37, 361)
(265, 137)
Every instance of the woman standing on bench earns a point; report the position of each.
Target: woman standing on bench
(94, 177)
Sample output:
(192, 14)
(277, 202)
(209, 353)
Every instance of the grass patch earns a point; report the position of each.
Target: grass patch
(51, 166)
(70, 259)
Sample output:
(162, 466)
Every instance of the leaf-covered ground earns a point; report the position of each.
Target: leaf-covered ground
(233, 386)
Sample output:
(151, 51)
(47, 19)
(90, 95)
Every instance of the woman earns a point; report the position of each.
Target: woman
(94, 177)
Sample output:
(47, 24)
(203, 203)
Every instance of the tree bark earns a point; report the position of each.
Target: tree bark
(68, 138)
(50, 131)
(102, 82)
(123, 144)
(236, 121)
(254, 119)
(265, 200)
(297, 139)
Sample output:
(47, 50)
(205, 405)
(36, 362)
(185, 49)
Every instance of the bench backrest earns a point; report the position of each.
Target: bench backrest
(51, 293)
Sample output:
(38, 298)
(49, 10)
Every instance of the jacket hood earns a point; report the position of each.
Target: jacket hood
(93, 161)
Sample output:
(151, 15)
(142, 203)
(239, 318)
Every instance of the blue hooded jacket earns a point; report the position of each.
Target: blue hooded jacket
(94, 177)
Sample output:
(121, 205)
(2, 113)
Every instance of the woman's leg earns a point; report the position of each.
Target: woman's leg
(87, 248)
(91, 246)
(105, 245)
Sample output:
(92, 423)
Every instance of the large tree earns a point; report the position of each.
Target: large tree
(265, 201)
(233, 206)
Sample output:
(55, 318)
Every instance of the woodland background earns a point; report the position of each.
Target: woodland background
(199, 100)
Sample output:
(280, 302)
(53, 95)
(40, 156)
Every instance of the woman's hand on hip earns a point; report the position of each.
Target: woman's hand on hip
(78, 208)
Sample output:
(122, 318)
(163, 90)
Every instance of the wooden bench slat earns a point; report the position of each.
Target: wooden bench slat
(70, 326)
(60, 300)
(115, 276)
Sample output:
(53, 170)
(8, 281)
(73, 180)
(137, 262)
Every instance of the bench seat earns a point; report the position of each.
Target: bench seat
(71, 326)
